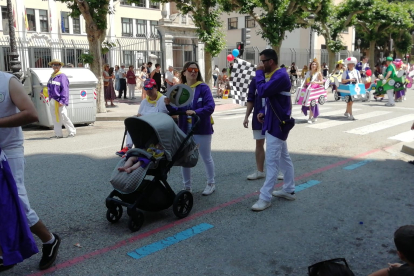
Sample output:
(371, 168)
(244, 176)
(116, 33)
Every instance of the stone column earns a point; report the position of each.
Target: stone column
(168, 51)
(200, 55)
(111, 35)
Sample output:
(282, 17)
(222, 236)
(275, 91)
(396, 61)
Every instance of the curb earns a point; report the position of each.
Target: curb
(408, 149)
(111, 118)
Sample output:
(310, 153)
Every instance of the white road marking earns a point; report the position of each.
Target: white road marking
(407, 136)
(382, 125)
(334, 123)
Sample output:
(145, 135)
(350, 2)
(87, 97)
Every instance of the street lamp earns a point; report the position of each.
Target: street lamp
(359, 43)
(15, 64)
(311, 20)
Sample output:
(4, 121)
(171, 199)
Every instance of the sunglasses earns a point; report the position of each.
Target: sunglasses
(192, 70)
(315, 267)
(264, 60)
(148, 88)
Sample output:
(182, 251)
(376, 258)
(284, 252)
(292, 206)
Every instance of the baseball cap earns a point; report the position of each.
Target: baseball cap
(150, 83)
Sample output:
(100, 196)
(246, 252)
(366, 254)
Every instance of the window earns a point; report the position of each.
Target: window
(249, 22)
(232, 22)
(154, 31)
(140, 3)
(125, 2)
(76, 25)
(64, 22)
(154, 5)
(5, 17)
(44, 21)
(323, 46)
(141, 28)
(126, 27)
(31, 20)
(128, 58)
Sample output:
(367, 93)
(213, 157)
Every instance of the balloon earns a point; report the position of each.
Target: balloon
(230, 57)
(235, 53)
(368, 73)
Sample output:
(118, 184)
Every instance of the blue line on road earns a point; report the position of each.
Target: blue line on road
(357, 165)
(306, 185)
(157, 246)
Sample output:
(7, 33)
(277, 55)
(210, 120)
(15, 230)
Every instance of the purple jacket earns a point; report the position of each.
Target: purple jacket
(273, 92)
(203, 104)
(58, 89)
(15, 237)
(257, 104)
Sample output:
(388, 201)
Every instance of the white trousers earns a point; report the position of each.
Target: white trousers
(277, 159)
(131, 90)
(63, 119)
(204, 142)
(16, 164)
(390, 94)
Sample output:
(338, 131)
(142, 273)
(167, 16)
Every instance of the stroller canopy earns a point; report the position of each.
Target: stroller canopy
(155, 128)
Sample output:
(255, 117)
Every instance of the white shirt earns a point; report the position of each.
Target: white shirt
(169, 76)
(147, 108)
(354, 74)
(121, 72)
(216, 72)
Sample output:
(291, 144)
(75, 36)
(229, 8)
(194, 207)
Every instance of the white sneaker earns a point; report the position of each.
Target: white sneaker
(314, 120)
(210, 188)
(346, 114)
(256, 175)
(280, 176)
(310, 122)
(285, 195)
(261, 205)
(351, 118)
(389, 104)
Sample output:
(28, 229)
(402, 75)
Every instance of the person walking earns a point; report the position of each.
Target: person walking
(108, 85)
(169, 75)
(122, 81)
(132, 82)
(142, 77)
(16, 110)
(216, 73)
(58, 93)
(203, 106)
(350, 76)
(149, 67)
(156, 75)
(391, 72)
(314, 79)
(274, 86)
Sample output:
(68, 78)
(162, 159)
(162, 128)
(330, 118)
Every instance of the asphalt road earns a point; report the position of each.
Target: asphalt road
(362, 192)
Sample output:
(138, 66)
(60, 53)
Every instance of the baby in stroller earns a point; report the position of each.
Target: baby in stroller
(134, 162)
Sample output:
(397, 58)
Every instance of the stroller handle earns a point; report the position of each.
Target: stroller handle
(183, 113)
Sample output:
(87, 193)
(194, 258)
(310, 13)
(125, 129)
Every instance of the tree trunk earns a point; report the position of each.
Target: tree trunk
(331, 59)
(277, 50)
(372, 55)
(96, 67)
(208, 68)
(399, 54)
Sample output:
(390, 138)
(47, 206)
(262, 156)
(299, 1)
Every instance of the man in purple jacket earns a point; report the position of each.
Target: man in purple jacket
(58, 90)
(255, 104)
(274, 85)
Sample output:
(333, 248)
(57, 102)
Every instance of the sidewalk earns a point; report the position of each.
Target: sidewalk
(128, 108)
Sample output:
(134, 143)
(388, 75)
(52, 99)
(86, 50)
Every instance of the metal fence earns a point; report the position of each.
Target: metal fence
(38, 52)
(287, 56)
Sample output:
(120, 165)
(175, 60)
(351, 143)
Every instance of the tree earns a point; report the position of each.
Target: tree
(95, 14)
(277, 16)
(381, 19)
(206, 14)
(331, 22)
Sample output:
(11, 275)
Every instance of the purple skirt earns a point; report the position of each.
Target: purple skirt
(399, 94)
(315, 110)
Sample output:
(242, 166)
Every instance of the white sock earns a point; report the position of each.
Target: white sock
(52, 240)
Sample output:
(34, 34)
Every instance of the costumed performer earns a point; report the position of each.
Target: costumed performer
(313, 78)
(337, 73)
(391, 73)
(399, 94)
(350, 76)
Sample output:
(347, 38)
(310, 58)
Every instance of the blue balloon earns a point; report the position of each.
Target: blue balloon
(235, 52)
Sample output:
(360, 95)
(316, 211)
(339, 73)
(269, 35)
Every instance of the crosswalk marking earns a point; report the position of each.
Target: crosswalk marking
(334, 123)
(382, 125)
(335, 112)
(407, 136)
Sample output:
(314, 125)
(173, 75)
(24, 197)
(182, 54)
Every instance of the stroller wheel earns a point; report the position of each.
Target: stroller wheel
(136, 221)
(113, 215)
(183, 203)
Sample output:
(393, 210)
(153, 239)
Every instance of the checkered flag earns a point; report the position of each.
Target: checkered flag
(241, 76)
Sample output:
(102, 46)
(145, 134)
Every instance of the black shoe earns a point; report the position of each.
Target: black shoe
(5, 267)
(56, 137)
(49, 253)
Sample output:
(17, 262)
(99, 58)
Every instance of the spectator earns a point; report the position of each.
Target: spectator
(169, 75)
(216, 73)
(58, 93)
(132, 82)
(203, 106)
(117, 84)
(176, 79)
(156, 75)
(122, 81)
(404, 242)
(293, 73)
(80, 64)
(108, 85)
(16, 110)
(142, 77)
(330, 268)
(149, 65)
(222, 83)
(69, 65)
(274, 86)
(304, 71)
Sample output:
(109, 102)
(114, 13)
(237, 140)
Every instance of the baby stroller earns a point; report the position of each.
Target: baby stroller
(136, 190)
